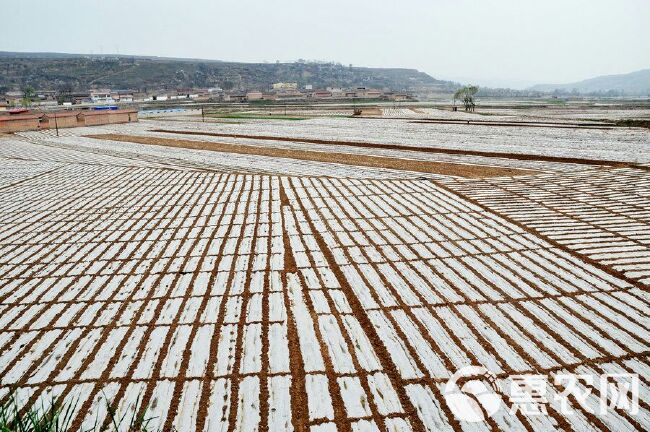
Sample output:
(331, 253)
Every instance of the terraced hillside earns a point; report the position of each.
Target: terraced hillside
(68, 72)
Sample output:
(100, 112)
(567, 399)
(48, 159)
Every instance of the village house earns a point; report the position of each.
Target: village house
(122, 96)
(254, 95)
(14, 97)
(235, 97)
(101, 96)
(321, 94)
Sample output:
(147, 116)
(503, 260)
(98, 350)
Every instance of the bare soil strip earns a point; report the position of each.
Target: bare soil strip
(443, 168)
(516, 156)
(299, 397)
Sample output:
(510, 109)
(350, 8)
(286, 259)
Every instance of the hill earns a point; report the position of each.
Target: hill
(79, 72)
(631, 84)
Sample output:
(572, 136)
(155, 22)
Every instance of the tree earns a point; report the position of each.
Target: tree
(466, 94)
(64, 92)
(227, 85)
(28, 95)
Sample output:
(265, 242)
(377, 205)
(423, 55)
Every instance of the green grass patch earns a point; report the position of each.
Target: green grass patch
(58, 417)
(555, 101)
(634, 123)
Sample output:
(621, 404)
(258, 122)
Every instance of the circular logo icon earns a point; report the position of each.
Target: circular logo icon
(472, 394)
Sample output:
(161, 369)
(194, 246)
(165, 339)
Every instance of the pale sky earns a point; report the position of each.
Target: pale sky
(489, 42)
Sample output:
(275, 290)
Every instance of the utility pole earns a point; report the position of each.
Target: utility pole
(56, 124)
(202, 115)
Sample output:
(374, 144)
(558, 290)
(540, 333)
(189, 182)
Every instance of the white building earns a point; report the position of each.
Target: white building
(101, 96)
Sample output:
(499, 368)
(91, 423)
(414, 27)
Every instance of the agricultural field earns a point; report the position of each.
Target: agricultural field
(327, 274)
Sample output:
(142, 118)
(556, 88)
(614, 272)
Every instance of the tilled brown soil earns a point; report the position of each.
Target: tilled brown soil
(444, 168)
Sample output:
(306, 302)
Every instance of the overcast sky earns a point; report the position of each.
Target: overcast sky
(490, 42)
